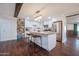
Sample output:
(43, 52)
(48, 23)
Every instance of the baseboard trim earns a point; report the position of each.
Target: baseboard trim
(7, 40)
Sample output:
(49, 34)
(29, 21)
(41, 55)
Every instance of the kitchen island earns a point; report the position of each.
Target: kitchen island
(46, 40)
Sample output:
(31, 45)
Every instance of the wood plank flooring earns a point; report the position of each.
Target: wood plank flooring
(22, 48)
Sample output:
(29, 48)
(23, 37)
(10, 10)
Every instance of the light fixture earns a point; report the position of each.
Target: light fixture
(38, 11)
(38, 18)
(27, 17)
(49, 17)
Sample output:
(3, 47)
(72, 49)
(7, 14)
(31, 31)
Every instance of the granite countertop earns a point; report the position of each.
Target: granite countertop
(42, 33)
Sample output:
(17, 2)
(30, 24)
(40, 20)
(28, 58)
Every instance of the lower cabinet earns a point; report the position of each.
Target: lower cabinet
(47, 42)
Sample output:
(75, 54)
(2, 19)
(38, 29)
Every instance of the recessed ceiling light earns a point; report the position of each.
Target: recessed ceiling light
(27, 18)
(38, 18)
(49, 17)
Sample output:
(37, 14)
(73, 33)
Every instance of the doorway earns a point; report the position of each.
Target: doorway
(72, 26)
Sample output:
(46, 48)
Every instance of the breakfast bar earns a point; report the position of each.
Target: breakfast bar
(46, 40)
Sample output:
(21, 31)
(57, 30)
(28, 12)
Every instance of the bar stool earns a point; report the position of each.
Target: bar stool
(32, 38)
(28, 36)
(36, 36)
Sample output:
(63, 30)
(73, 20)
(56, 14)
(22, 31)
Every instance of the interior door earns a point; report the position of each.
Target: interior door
(8, 29)
(4, 30)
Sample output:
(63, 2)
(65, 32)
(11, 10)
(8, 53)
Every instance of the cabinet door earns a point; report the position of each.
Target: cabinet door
(45, 42)
(51, 41)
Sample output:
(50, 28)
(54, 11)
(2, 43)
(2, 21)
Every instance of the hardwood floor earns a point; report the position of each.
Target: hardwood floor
(22, 48)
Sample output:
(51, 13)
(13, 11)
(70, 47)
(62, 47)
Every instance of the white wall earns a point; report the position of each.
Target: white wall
(64, 36)
(8, 28)
(7, 13)
(70, 26)
(0, 29)
(73, 19)
(7, 9)
(78, 29)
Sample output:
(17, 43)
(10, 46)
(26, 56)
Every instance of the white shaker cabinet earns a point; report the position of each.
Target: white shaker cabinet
(47, 41)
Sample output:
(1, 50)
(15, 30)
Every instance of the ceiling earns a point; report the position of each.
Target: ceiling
(73, 19)
(7, 9)
(50, 9)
